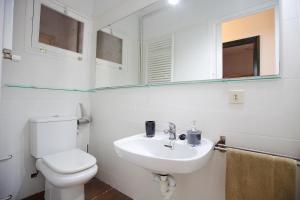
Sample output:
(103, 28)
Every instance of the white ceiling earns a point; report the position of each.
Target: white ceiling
(101, 6)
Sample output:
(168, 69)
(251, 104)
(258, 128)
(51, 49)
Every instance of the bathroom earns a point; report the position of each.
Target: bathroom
(104, 79)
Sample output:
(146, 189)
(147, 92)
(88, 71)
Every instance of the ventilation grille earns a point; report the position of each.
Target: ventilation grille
(159, 60)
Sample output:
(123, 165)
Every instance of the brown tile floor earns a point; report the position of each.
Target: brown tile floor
(94, 190)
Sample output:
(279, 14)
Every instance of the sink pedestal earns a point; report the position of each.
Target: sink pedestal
(167, 185)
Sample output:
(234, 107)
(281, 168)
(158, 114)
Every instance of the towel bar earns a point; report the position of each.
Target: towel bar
(7, 198)
(221, 146)
(6, 158)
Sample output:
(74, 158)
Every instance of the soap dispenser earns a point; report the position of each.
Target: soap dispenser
(194, 135)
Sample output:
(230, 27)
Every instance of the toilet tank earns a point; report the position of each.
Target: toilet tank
(50, 135)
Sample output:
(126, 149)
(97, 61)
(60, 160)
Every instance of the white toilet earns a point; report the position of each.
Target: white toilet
(66, 168)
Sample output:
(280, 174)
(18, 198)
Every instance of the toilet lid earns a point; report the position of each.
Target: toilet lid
(71, 161)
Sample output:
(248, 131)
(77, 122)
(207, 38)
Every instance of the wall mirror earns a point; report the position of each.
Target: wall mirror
(194, 40)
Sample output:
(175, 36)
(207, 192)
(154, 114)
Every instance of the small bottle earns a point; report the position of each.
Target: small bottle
(194, 135)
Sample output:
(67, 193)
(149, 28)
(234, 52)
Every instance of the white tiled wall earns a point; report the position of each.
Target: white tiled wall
(18, 105)
(268, 120)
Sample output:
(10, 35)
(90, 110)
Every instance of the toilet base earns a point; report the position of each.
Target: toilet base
(68, 193)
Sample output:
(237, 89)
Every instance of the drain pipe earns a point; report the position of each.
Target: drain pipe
(167, 185)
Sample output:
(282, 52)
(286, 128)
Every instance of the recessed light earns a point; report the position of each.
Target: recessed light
(173, 2)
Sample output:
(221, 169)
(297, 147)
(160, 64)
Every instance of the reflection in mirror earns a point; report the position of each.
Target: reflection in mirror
(241, 51)
(109, 47)
(241, 58)
(194, 40)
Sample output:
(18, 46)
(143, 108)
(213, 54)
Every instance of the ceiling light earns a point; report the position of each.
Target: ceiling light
(173, 2)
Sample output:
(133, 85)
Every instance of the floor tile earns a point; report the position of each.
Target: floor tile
(94, 190)
(112, 195)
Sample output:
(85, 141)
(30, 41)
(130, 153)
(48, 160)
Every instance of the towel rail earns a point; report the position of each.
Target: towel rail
(6, 158)
(221, 146)
(7, 198)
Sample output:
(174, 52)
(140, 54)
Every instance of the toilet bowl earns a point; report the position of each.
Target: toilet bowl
(66, 173)
(65, 167)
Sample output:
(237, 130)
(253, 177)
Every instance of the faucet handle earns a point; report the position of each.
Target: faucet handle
(172, 126)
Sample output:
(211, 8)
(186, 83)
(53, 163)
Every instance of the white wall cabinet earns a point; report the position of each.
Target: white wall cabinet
(54, 41)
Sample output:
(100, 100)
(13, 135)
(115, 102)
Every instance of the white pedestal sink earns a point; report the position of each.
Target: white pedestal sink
(152, 154)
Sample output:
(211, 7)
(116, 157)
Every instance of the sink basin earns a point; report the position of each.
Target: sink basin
(152, 154)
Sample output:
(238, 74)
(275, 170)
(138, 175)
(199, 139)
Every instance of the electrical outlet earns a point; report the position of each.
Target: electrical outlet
(236, 96)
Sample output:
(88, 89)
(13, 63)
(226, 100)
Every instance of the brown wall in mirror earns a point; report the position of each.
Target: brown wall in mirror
(241, 58)
(260, 24)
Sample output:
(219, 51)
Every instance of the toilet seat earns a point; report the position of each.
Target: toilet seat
(69, 162)
(76, 169)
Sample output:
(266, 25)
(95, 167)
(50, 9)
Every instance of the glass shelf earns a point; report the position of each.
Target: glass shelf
(232, 80)
(146, 85)
(45, 88)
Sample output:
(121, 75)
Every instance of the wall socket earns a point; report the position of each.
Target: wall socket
(236, 96)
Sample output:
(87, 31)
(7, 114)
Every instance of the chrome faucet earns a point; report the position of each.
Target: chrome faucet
(171, 131)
